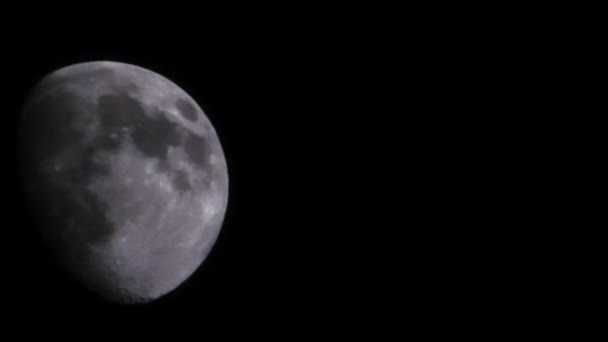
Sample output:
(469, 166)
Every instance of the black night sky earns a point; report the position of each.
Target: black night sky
(372, 175)
(390, 167)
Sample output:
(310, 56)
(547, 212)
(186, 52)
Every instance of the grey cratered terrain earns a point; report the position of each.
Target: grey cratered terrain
(126, 175)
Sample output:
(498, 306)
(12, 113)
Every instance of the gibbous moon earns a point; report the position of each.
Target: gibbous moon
(126, 176)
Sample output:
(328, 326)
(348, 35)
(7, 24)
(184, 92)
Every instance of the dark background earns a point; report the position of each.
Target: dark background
(378, 160)
(294, 106)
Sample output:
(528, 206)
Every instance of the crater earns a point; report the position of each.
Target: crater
(187, 109)
(181, 181)
(118, 111)
(197, 149)
(90, 166)
(155, 137)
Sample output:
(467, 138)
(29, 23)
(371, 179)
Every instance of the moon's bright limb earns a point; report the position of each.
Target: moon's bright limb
(127, 176)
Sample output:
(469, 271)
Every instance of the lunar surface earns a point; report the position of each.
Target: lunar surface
(126, 176)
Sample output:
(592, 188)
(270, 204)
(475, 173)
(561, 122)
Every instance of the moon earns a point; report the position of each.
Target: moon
(125, 175)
